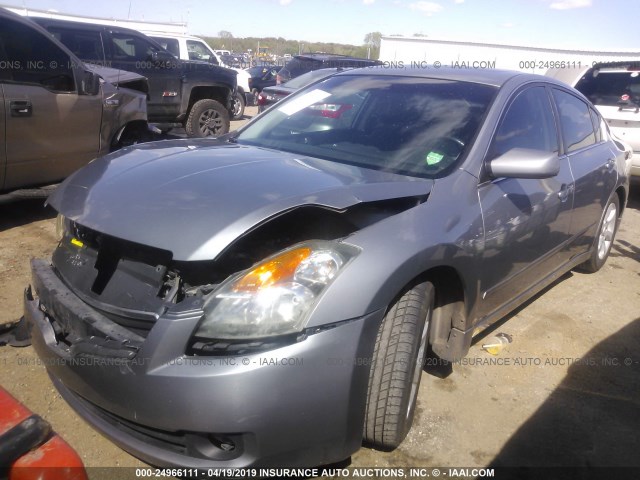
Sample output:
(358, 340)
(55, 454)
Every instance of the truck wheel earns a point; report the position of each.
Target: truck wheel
(395, 373)
(238, 106)
(207, 118)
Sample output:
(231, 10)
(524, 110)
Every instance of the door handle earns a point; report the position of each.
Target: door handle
(20, 108)
(564, 192)
(610, 164)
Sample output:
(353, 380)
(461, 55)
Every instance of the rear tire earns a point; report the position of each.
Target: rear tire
(207, 118)
(604, 237)
(238, 106)
(400, 349)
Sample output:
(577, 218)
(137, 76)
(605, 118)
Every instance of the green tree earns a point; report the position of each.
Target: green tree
(372, 42)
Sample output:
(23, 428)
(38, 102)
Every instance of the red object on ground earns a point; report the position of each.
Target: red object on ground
(52, 460)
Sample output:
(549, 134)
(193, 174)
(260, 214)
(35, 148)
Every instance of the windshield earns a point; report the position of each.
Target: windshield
(411, 126)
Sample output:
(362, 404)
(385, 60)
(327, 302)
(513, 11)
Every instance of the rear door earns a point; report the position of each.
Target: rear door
(526, 221)
(50, 130)
(593, 164)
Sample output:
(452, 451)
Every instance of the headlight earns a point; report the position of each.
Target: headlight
(274, 297)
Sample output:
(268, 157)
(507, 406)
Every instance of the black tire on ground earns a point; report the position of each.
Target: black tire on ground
(238, 106)
(207, 118)
(394, 379)
(605, 236)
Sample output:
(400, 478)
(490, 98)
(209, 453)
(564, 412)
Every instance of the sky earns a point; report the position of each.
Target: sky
(576, 24)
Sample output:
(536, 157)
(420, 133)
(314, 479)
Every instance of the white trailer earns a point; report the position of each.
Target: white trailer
(421, 51)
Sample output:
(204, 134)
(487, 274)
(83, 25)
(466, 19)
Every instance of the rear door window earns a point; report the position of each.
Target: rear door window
(169, 44)
(86, 44)
(34, 58)
(131, 47)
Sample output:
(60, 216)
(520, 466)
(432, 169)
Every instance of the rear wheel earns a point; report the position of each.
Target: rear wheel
(207, 118)
(238, 106)
(395, 374)
(605, 236)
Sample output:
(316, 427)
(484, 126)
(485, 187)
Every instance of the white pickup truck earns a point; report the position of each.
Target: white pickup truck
(187, 47)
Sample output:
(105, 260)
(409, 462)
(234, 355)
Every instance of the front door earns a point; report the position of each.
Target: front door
(526, 221)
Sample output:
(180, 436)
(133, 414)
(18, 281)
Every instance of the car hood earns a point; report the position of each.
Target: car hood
(208, 69)
(195, 197)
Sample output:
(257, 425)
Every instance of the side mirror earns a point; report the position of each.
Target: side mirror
(90, 83)
(525, 163)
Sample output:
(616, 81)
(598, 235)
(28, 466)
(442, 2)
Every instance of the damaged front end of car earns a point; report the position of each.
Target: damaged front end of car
(164, 336)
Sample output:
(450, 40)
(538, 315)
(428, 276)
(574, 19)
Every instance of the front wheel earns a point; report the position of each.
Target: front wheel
(396, 369)
(238, 106)
(207, 118)
(605, 236)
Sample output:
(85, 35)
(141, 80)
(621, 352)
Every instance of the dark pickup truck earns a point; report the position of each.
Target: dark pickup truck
(196, 95)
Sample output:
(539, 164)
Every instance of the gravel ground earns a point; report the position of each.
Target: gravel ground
(565, 392)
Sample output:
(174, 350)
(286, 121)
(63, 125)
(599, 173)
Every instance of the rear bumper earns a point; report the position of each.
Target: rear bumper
(299, 405)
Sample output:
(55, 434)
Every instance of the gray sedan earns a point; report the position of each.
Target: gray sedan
(269, 298)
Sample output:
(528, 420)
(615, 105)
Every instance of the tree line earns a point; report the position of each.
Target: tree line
(280, 46)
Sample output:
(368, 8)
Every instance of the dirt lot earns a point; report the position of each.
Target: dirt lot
(565, 392)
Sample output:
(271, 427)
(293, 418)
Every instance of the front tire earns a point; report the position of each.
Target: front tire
(605, 236)
(400, 348)
(207, 118)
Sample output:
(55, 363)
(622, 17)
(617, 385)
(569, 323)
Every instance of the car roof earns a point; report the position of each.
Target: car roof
(485, 76)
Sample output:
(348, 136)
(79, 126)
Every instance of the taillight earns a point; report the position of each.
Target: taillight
(262, 99)
(330, 110)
